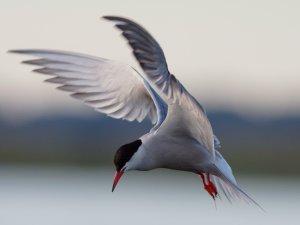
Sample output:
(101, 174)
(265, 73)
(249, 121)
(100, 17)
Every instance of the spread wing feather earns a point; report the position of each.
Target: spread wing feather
(152, 60)
(109, 87)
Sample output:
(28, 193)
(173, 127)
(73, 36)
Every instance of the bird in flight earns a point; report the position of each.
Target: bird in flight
(181, 138)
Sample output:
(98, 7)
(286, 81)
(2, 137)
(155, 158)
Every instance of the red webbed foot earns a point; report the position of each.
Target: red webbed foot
(208, 185)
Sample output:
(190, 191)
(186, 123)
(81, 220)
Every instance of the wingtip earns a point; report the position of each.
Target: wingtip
(18, 51)
(109, 17)
(13, 51)
(105, 17)
(116, 19)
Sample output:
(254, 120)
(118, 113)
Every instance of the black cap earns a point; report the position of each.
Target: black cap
(125, 152)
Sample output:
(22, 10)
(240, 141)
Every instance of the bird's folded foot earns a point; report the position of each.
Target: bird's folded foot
(208, 185)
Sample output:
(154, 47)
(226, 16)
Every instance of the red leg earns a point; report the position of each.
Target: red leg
(209, 186)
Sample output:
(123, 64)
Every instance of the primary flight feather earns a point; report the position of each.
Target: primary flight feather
(181, 138)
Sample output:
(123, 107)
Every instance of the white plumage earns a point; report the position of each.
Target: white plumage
(182, 137)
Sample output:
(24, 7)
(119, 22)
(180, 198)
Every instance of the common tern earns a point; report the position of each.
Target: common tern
(182, 137)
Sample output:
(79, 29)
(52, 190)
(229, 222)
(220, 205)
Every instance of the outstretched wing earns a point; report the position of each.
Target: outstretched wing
(151, 58)
(110, 87)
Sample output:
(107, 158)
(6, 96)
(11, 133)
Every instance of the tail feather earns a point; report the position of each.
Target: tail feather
(225, 181)
(220, 186)
(230, 188)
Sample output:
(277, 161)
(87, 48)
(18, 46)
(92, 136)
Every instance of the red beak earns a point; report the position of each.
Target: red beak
(117, 177)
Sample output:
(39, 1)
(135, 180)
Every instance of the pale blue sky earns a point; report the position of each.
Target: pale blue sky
(240, 56)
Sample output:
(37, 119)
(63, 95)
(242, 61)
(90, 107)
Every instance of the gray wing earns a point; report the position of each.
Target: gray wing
(110, 87)
(161, 106)
(151, 58)
(217, 143)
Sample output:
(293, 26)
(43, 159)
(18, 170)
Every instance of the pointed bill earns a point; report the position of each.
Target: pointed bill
(117, 177)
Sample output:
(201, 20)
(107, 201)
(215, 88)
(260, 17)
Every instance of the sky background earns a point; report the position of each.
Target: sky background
(236, 56)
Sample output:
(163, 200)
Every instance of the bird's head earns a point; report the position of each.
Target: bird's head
(122, 157)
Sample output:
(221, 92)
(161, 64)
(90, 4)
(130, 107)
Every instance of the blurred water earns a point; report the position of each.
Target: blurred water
(82, 196)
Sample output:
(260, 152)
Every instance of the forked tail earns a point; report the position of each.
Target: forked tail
(225, 181)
